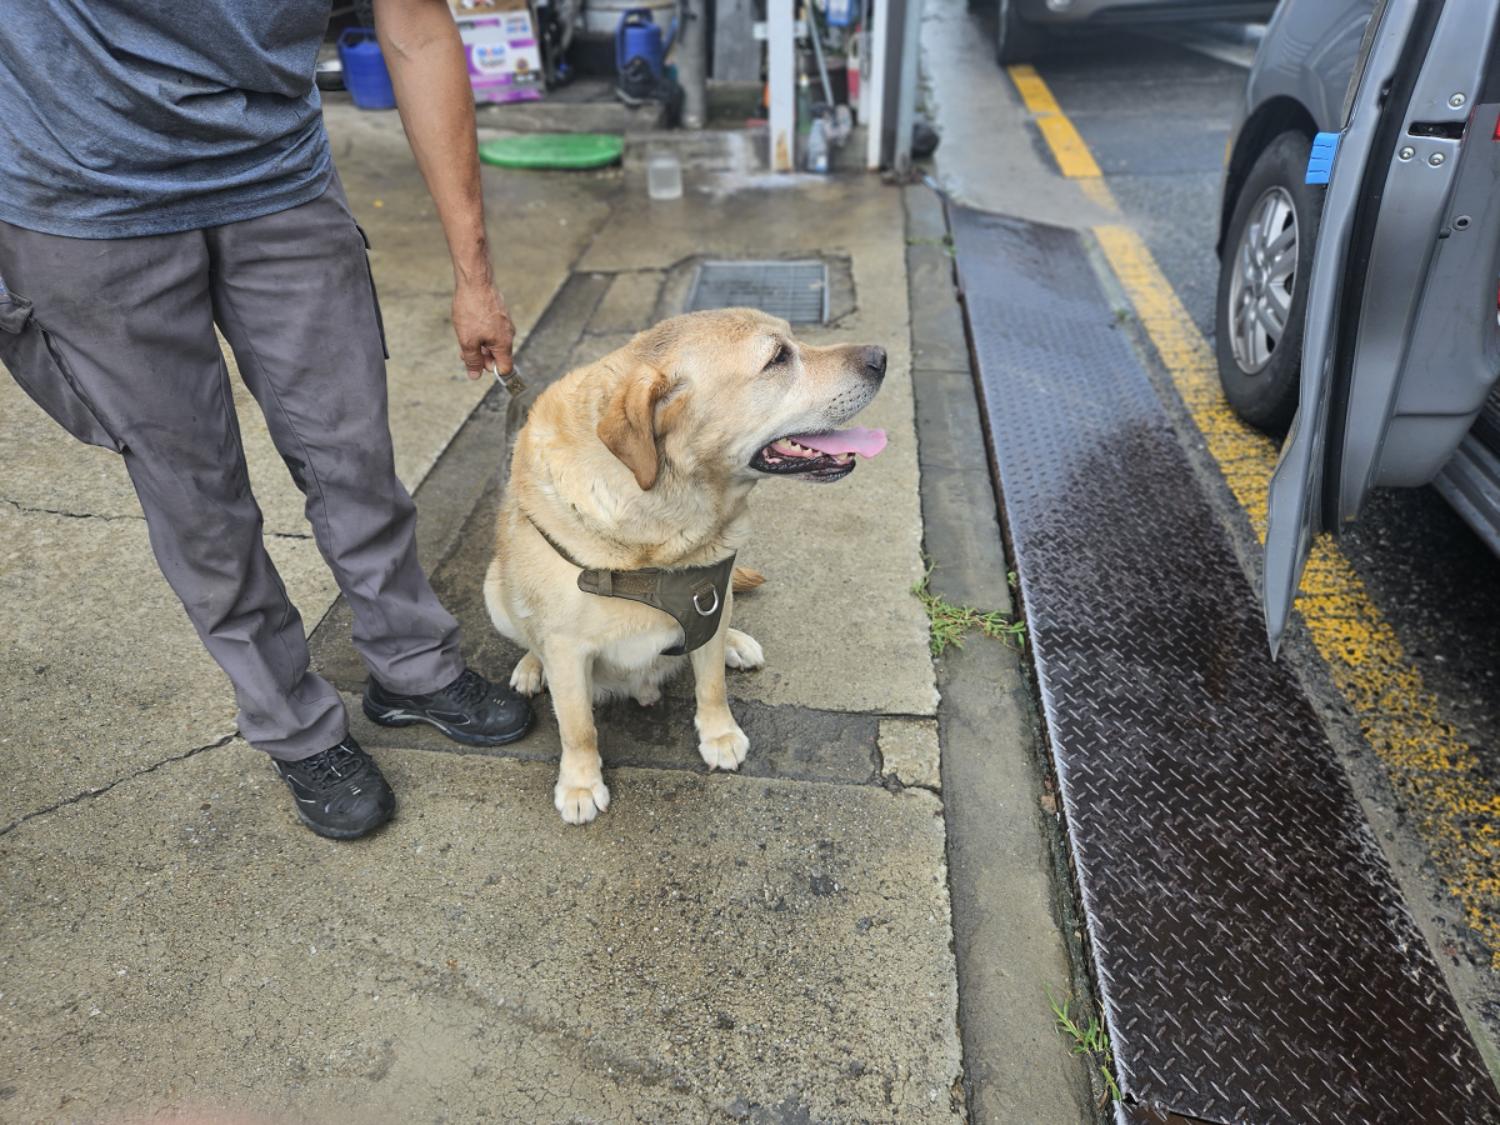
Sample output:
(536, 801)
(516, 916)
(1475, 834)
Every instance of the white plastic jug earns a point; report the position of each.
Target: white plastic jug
(663, 176)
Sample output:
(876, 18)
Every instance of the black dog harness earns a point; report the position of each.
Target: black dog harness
(694, 596)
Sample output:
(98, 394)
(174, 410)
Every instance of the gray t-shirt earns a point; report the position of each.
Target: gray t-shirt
(133, 117)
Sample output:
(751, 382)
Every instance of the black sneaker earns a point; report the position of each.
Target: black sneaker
(470, 710)
(341, 792)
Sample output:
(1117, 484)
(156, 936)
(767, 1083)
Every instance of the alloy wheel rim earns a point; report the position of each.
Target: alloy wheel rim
(1264, 280)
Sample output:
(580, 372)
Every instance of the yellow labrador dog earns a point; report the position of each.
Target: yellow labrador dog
(626, 507)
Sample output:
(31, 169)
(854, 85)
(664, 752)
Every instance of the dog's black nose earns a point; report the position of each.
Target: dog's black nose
(875, 362)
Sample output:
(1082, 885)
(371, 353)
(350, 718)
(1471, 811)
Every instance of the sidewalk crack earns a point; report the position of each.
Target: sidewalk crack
(31, 510)
(26, 509)
(103, 789)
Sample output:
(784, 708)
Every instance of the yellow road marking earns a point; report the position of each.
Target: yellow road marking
(1454, 806)
(1073, 157)
(1034, 90)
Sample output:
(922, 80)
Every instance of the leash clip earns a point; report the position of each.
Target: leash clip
(712, 591)
(510, 380)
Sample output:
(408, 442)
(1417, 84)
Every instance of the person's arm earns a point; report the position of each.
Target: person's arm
(426, 59)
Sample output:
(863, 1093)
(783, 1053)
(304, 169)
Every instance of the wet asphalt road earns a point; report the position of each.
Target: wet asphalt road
(1157, 116)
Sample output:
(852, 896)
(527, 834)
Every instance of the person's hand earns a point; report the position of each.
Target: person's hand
(482, 323)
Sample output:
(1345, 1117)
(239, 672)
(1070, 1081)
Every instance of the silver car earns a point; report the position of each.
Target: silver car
(1025, 25)
(1360, 309)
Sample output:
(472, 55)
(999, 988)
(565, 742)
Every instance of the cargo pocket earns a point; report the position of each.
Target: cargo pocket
(374, 296)
(35, 362)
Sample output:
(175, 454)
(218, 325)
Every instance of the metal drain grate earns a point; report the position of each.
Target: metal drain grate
(795, 291)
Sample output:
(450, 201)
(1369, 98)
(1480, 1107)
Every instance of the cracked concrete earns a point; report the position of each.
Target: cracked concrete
(101, 672)
(717, 946)
(25, 510)
(98, 791)
(909, 752)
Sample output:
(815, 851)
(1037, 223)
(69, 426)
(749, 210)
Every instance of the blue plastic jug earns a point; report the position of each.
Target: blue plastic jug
(637, 35)
(365, 74)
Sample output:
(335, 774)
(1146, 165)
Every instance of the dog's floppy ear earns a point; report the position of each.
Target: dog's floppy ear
(628, 427)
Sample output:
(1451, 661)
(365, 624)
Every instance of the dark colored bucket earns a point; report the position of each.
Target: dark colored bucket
(365, 74)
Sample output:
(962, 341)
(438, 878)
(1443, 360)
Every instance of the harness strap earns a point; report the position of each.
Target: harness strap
(693, 596)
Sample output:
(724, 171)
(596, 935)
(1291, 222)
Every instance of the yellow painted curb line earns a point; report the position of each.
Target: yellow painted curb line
(1074, 159)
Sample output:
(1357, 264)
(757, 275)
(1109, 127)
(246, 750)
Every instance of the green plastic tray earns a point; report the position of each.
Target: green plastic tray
(553, 150)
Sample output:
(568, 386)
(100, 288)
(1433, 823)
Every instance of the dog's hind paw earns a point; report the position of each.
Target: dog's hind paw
(529, 676)
(724, 751)
(579, 804)
(743, 651)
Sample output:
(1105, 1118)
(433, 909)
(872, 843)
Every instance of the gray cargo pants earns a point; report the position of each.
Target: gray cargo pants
(115, 339)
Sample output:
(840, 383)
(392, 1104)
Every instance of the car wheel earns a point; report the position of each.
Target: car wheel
(1018, 40)
(1262, 299)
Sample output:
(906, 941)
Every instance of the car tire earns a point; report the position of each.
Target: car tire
(1260, 366)
(1018, 40)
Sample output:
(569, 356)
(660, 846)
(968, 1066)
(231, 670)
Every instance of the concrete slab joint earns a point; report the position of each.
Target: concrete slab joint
(629, 302)
(1008, 900)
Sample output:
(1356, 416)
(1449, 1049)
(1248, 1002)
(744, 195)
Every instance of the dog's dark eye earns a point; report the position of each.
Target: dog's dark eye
(783, 355)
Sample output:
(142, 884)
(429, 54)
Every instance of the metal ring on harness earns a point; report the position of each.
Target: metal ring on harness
(711, 610)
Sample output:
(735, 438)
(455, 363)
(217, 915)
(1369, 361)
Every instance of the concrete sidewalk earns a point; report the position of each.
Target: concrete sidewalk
(773, 946)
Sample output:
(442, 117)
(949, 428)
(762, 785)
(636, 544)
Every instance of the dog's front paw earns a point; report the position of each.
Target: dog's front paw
(529, 675)
(579, 804)
(724, 750)
(743, 651)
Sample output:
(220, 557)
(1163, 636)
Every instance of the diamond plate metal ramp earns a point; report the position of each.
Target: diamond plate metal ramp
(1253, 954)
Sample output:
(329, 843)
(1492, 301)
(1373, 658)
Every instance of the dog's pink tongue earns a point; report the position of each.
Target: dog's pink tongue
(856, 439)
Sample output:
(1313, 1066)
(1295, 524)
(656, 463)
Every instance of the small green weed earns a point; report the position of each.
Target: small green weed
(1091, 1041)
(951, 623)
(946, 243)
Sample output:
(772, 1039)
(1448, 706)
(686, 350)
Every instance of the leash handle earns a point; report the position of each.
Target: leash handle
(510, 380)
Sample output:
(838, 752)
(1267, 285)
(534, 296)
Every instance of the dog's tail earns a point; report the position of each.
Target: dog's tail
(746, 579)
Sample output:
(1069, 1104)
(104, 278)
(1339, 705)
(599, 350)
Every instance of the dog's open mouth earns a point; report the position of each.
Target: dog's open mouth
(820, 457)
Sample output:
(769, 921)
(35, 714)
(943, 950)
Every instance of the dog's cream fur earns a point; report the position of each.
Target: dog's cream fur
(643, 459)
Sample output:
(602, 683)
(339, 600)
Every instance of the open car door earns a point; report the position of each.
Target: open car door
(1401, 345)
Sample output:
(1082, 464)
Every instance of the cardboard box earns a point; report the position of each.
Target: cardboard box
(505, 62)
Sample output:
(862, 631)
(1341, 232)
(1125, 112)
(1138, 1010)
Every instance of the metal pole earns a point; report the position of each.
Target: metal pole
(781, 75)
(906, 96)
(815, 33)
(875, 125)
(692, 65)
